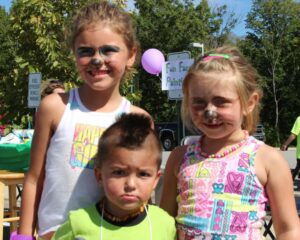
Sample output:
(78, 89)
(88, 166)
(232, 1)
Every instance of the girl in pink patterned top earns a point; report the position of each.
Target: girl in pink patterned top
(217, 187)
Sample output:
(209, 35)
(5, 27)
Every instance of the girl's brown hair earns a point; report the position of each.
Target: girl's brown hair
(108, 14)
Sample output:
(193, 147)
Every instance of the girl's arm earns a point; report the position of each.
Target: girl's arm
(169, 193)
(279, 187)
(49, 110)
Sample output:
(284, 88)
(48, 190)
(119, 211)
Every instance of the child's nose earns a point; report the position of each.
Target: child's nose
(98, 58)
(130, 183)
(210, 112)
(210, 107)
(96, 61)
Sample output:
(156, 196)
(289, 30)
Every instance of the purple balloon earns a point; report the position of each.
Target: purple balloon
(152, 61)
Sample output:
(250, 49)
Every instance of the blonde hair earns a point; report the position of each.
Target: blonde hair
(246, 83)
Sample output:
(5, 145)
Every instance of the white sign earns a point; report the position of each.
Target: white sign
(177, 94)
(173, 73)
(34, 85)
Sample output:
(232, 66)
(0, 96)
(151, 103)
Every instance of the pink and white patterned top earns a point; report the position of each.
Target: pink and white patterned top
(220, 198)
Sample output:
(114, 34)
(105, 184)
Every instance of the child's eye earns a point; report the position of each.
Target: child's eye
(144, 174)
(220, 102)
(199, 104)
(118, 172)
(108, 50)
(85, 52)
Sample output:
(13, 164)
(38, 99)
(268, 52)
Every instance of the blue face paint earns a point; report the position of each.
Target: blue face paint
(105, 51)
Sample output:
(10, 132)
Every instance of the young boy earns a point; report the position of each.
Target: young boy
(127, 167)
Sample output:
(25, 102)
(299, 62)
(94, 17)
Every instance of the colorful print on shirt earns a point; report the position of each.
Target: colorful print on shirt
(85, 145)
(220, 198)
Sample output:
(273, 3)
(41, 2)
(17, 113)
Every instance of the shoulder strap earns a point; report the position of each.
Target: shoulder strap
(251, 148)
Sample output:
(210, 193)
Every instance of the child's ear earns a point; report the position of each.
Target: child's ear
(98, 175)
(252, 102)
(131, 57)
(157, 179)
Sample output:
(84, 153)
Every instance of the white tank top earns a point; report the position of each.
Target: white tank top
(69, 177)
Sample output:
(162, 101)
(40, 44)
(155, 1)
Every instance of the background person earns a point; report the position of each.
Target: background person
(294, 134)
(217, 187)
(69, 125)
(52, 86)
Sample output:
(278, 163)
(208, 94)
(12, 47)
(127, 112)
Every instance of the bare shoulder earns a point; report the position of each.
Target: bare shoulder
(54, 100)
(269, 161)
(52, 107)
(269, 155)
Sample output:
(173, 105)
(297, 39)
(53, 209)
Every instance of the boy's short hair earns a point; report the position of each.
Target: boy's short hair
(130, 131)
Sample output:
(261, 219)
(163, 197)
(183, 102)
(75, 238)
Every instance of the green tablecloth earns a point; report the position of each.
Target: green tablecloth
(15, 157)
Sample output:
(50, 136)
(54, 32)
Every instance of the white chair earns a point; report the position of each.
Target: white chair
(189, 139)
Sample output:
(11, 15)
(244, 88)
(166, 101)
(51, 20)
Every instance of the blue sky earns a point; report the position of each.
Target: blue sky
(239, 7)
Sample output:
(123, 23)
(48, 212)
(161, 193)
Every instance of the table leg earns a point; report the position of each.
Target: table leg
(13, 206)
(2, 187)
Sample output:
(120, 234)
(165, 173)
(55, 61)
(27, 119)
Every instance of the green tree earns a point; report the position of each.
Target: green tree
(272, 44)
(7, 54)
(6, 44)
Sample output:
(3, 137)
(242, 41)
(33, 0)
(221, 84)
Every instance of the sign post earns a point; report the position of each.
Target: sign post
(34, 85)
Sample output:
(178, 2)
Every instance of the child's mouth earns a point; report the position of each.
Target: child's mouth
(130, 198)
(98, 73)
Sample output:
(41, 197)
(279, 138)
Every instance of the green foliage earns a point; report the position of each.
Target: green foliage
(273, 45)
(6, 44)
(8, 88)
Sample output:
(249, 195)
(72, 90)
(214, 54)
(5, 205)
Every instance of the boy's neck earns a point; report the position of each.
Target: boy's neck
(113, 218)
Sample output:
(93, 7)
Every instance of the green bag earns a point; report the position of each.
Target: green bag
(15, 157)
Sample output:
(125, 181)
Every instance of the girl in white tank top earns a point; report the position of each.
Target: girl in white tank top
(69, 125)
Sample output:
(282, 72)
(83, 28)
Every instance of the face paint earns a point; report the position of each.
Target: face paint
(96, 61)
(210, 115)
(105, 51)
